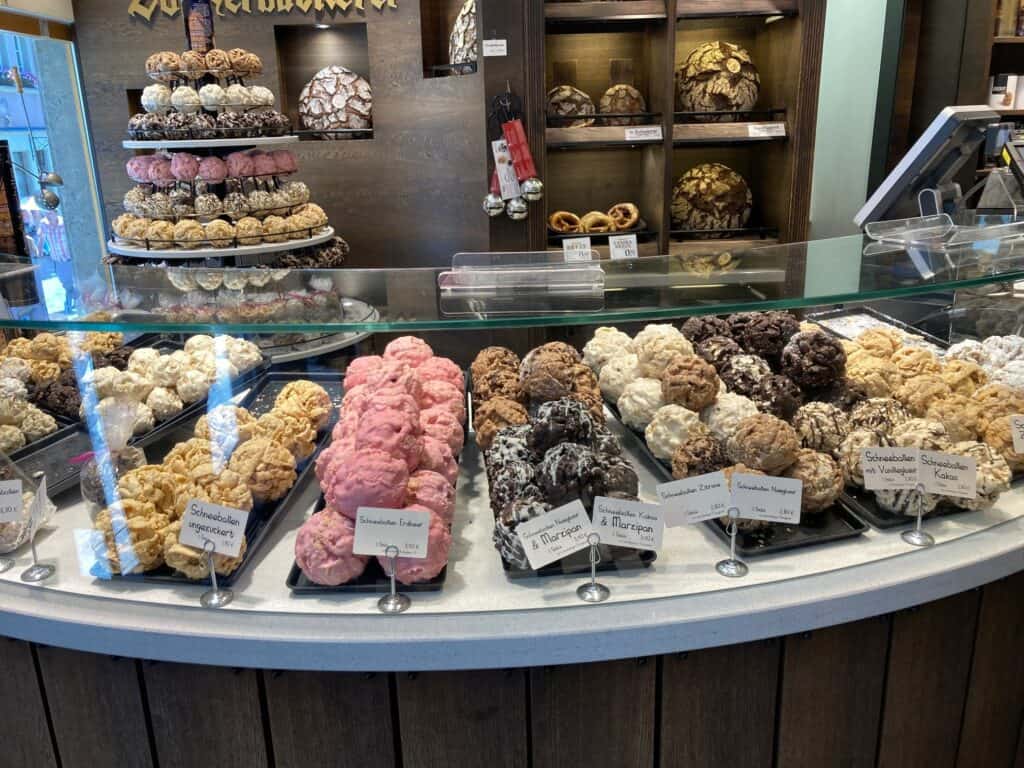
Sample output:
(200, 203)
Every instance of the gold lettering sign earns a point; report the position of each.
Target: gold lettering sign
(147, 8)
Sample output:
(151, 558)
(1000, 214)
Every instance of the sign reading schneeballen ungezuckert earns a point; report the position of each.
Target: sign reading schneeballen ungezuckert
(147, 8)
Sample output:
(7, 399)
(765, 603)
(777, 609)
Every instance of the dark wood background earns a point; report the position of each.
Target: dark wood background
(938, 685)
(409, 196)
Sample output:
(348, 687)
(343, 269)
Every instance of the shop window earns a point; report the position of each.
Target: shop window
(449, 32)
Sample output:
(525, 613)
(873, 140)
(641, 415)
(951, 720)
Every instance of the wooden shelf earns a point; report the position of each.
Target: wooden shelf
(1008, 40)
(592, 137)
(728, 133)
(711, 8)
(605, 10)
(1010, 112)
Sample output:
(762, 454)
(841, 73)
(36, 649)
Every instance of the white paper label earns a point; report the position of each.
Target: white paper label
(889, 469)
(495, 48)
(949, 475)
(1017, 430)
(629, 523)
(37, 509)
(576, 248)
(643, 133)
(506, 171)
(379, 529)
(623, 247)
(766, 130)
(774, 499)
(555, 534)
(694, 499)
(10, 501)
(221, 526)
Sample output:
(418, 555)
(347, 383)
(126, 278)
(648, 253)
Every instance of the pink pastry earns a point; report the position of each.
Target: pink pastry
(442, 425)
(408, 349)
(394, 373)
(138, 168)
(441, 394)
(184, 166)
(442, 369)
(160, 172)
(240, 164)
(212, 170)
(359, 369)
(365, 479)
(390, 399)
(323, 549)
(284, 161)
(431, 490)
(263, 164)
(392, 432)
(354, 396)
(436, 456)
(410, 570)
(345, 429)
(323, 461)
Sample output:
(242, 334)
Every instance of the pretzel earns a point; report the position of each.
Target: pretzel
(625, 215)
(595, 221)
(565, 222)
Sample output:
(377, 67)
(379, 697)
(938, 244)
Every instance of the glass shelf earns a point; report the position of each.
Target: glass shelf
(172, 299)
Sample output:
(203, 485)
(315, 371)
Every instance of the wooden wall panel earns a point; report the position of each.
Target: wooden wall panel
(995, 701)
(97, 709)
(929, 664)
(330, 718)
(474, 718)
(26, 735)
(832, 686)
(596, 715)
(205, 716)
(704, 694)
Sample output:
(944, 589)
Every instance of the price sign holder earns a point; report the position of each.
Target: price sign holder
(592, 592)
(394, 601)
(215, 597)
(916, 537)
(37, 571)
(732, 567)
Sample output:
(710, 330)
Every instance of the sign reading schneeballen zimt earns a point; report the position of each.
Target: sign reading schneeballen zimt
(146, 8)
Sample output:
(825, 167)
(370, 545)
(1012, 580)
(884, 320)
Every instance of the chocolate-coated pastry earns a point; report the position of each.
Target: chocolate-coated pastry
(821, 426)
(702, 327)
(742, 374)
(841, 393)
(567, 472)
(699, 453)
(717, 350)
(592, 401)
(813, 359)
(204, 126)
(511, 481)
(490, 358)
(603, 442)
(58, 397)
(561, 421)
(510, 445)
(498, 382)
(738, 322)
(766, 333)
(778, 395)
(879, 413)
(615, 476)
(546, 378)
(506, 540)
(690, 382)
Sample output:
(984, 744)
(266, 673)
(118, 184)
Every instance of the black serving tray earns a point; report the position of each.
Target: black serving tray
(263, 517)
(833, 524)
(52, 456)
(578, 563)
(373, 579)
(881, 317)
(862, 503)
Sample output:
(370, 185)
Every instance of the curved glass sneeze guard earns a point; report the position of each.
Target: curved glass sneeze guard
(158, 298)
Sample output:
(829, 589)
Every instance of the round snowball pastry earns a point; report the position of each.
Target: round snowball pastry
(616, 373)
(724, 416)
(640, 400)
(668, 430)
(607, 343)
(656, 345)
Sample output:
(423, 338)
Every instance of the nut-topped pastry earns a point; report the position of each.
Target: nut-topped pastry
(764, 442)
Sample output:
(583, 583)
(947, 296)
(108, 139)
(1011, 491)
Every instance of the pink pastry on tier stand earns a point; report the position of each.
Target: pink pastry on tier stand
(212, 170)
(138, 168)
(184, 166)
(409, 570)
(240, 164)
(263, 164)
(284, 161)
(323, 549)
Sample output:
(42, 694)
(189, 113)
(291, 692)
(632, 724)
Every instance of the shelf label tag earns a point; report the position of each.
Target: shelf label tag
(773, 499)
(555, 534)
(576, 248)
(948, 474)
(766, 130)
(221, 526)
(11, 503)
(889, 469)
(629, 523)
(623, 247)
(643, 133)
(507, 179)
(494, 48)
(694, 499)
(1017, 430)
(377, 529)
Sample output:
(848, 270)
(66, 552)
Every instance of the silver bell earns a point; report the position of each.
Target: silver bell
(51, 178)
(49, 199)
(533, 190)
(494, 205)
(517, 209)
